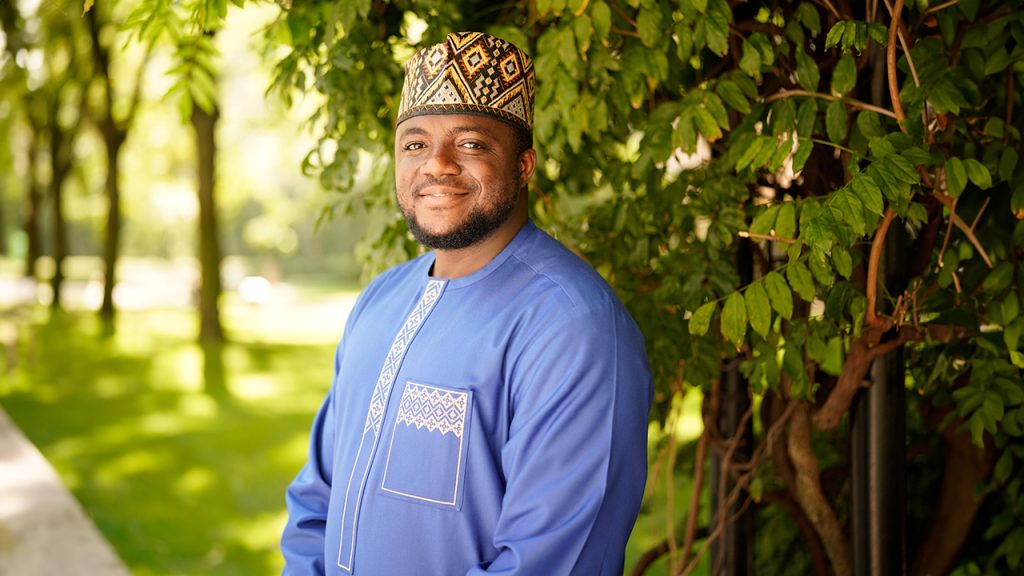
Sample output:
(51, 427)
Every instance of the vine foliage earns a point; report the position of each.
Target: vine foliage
(672, 133)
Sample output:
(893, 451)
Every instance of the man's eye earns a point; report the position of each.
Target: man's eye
(413, 146)
(473, 145)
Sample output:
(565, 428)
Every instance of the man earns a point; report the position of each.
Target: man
(488, 413)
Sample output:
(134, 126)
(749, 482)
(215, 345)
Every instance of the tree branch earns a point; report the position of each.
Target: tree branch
(851, 102)
(870, 318)
(811, 497)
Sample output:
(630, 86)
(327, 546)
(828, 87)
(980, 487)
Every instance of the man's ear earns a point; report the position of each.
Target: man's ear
(527, 164)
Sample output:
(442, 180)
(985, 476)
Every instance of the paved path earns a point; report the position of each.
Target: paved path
(43, 529)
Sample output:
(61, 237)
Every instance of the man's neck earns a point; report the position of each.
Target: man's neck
(453, 264)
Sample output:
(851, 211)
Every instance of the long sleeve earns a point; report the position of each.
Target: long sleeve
(575, 460)
(302, 542)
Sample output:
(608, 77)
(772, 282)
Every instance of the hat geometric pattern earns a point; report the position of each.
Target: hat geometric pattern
(470, 72)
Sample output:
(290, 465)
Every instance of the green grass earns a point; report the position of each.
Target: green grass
(181, 455)
(183, 467)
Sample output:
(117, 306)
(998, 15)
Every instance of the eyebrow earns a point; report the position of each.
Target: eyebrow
(416, 131)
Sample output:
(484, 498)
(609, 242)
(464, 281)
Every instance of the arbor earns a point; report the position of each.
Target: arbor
(741, 173)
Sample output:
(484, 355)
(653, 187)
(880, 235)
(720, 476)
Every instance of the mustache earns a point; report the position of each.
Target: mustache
(447, 182)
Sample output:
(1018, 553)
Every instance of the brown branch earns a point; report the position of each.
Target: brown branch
(830, 7)
(624, 32)
(938, 7)
(810, 495)
(863, 352)
(623, 15)
(967, 230)
(851, 102)
(819, 559)
(870, 318)
(698, 483)
(958, 501)
(771, 237)
(648, 558)
(890, 63)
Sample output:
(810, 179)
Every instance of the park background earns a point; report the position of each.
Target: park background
(193, 192)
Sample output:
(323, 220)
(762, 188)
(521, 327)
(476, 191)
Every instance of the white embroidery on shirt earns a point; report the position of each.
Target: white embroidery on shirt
(378, 404)
(381, 392)
(432, 408)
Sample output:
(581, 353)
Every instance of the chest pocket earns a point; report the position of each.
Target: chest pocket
(426, 459)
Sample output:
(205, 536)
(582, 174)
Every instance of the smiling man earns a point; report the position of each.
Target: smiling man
(488, 412)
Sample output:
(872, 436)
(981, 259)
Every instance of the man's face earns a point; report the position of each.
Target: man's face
(458, 177)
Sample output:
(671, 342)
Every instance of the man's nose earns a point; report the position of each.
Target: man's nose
(441, 162)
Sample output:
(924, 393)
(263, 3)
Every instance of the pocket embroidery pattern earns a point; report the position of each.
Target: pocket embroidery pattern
(433, 409)
(426, 458)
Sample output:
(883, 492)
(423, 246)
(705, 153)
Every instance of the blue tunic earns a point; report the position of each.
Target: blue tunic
(490, 424)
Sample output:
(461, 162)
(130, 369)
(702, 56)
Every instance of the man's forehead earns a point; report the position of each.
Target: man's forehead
(446, 123)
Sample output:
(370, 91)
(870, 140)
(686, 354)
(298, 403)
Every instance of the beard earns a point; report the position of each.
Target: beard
(481, 222)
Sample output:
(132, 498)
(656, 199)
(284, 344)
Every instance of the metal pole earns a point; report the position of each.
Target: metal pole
(878, 426)
(736, 546)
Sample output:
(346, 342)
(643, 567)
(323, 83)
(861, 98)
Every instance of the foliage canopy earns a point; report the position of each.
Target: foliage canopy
(735, 169)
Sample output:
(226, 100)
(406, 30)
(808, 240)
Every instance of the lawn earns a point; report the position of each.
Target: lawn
(181, 455)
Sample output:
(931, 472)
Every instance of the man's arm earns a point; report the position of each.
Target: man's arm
(302, 542)
(576, 458)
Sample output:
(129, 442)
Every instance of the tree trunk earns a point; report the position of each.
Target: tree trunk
(33, 204)
(113, 138)
(60, 166)
(966, 467)
(210, 329)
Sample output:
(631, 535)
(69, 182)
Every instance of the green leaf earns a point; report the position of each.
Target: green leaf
(870, 124)
(733, 96)
(956, 177)
(758, 308)
(868, 192)
(764, 222)
(835, 35)
(685, 136)
(734, 319)
(844, 76)
(779, 294)
(785, 223)
(835, 121)
(601, 15)
(750, 63)
(808, 16)
(717, 33)
(714, 105)
(701, 319)
(1004, 467)
(1012, 334)
(805, 117)
(807, 71)
(978, 173)
(847, 207)
(999, 278)
(1011, 307)
(648, 24)
(842, 261)
(803, 152)
(706, 124)
(1007, 164)
(801, 281)
(997, 62)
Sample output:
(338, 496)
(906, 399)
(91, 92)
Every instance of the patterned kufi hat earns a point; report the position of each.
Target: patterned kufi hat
(470, 72)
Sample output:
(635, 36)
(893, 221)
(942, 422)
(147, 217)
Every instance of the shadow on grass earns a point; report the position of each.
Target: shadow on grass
(180, 454)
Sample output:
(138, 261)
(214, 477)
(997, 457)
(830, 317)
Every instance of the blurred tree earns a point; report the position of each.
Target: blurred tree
(114, 130)
(669, 130)
(48, 72)
(190, 27)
